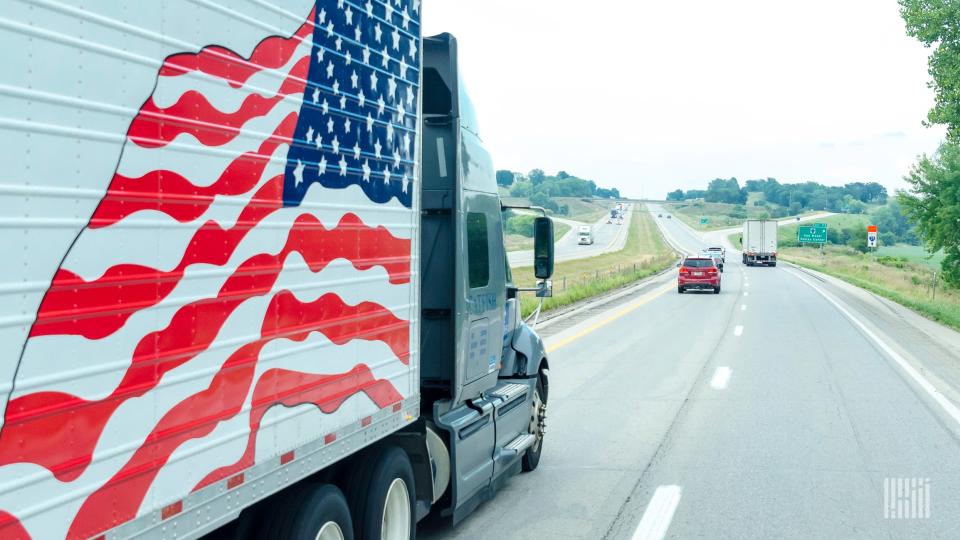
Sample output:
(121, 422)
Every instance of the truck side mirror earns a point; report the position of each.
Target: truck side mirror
(543, 247)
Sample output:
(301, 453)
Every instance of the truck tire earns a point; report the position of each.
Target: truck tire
(310, 512)
(538, 415)
(381, 496)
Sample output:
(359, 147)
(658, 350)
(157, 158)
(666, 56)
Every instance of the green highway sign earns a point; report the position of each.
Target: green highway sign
(704, 221)
(812, 234)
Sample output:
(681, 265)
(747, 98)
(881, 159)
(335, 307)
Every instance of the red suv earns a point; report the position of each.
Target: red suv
(698, 273)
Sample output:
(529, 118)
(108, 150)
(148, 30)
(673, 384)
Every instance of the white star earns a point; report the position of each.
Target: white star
(390, 133)
(357, 34)
(339, 4)
(373, 81)
(353, 79)
(316, 95)
(346, 125)
(380, 105)
(349, 58)
(406, 182)
(391, 86)
(330, 29)
(330, 125)
(406, 20)
(319, 142)
(386, 175)
(369, 123)
(349, 14)
(389, 14)
(413, 49)
(362, 98)
(335, 144)
(329, 69)
(325, 107)
(406, 144)
(343, 101)
(403, 68)
(377, 32)
(336, 88)
(409, 96)
(366, 54)
(401, 112)
(338, 42)
(322, 166)
(396, 159)
(376, 149)
(356, 151)
(343, 166)
(385, 58)
(309, 134)
(322, 16)
(396, 39)
(298, 174)
(369, 6)
(416, 5)
(366, 171)
(320, 54)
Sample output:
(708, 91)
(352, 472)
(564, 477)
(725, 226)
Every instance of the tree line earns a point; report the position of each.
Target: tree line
(795, 198)
(540, 188)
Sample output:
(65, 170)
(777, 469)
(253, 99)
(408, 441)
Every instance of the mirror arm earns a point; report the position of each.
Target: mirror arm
(541, 209)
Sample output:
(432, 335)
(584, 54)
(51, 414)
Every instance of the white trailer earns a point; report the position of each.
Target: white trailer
(759, 242)
(585, 235)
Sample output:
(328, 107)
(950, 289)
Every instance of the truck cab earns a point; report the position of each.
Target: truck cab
(484, 372)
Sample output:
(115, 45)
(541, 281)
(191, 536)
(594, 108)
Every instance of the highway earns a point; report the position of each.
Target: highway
(606, 237)
(785, 407)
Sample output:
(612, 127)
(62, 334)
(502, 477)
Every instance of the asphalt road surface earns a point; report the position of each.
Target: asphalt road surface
(785, 407)
(607, 237)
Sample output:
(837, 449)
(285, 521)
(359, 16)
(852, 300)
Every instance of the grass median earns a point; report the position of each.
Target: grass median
(644, 254)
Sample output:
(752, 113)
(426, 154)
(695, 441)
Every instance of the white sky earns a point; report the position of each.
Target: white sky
(652, 95)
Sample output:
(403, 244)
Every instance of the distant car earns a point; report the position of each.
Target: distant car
(698, 273)
(668, 216)
(716, 256)
(609, 221)
(718, 249)
(659, 215)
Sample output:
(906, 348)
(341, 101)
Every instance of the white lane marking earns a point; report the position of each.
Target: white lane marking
(659, 513)
(923, 383)
(720, 378)
(745, 284)
(743, 307)
(738, 331)
(746, 293)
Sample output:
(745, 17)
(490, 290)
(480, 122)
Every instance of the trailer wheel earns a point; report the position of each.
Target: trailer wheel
(382, 497)
(313, 512)
(538, 416)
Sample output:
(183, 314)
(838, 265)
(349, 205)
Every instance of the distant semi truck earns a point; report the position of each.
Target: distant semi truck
(759, 242)
(585, 235)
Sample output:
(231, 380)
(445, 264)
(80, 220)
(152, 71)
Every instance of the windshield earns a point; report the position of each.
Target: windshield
(698, 263)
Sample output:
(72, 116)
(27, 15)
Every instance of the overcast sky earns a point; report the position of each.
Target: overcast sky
(648, 95)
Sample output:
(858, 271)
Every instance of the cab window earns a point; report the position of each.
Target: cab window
(478, 254)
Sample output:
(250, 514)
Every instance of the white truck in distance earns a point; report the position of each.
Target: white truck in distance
(759, 242)
(585, 234)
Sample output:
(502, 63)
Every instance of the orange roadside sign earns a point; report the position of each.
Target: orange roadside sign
(871, 228)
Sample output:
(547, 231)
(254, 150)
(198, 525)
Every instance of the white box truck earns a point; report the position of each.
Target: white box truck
(585, 235)
(253, 280)
(759, 242)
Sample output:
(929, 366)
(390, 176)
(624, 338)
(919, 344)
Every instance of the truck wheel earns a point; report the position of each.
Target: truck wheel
(538, 417)
(381, 497)
(313, 512)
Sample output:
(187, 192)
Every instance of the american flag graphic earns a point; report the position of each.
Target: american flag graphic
(253, 249)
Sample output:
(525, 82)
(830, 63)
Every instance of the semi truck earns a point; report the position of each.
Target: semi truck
(585, 235)
(759, 241)
(254, 283)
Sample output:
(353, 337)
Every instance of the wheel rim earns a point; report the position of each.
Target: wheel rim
(538, 417)
(330, 531)
(396, 512)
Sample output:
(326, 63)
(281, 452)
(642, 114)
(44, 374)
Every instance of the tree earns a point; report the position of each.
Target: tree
(933, 203)
(676, 195)
(935, 24)
(536, 176)
(504, 178)
(562, 175)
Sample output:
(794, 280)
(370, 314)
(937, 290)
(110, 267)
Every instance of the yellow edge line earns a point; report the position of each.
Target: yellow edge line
(618, 314)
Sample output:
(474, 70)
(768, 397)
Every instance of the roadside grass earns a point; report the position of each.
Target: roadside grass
(645, 253)
(914, 254)
(719, 215)
(787, 235)
(905, 282)
(581, 210)
(519, 242)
